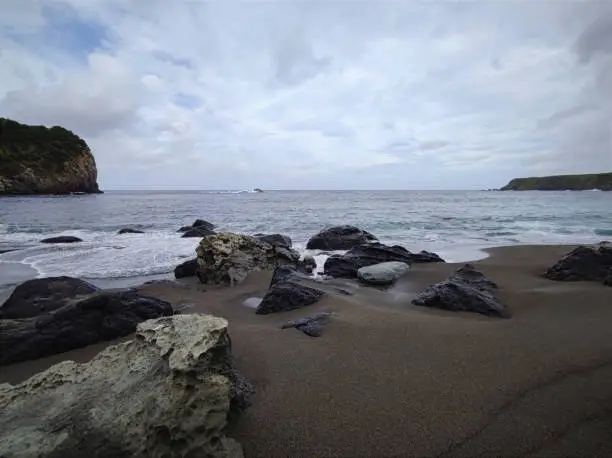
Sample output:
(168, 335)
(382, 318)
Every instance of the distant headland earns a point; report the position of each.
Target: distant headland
(43, 160)
(586, 182)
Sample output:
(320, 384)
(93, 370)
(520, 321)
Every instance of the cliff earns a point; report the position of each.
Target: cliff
(602, 181)
(41, 160)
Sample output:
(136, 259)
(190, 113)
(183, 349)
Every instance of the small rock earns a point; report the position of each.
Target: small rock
(385, 273)
(128, 230)
(309, 264)
(186, 269)
(608, 280)
(199, 223)
(311, 325)
(275, 239)
(339, 238)
(200, 232)
(61, 239)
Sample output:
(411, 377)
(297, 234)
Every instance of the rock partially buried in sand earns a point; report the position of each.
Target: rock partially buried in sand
(312, 326)
(61, 239)
(385, 273)
(43, 295)
(170, 392)
(227, 258)
(80, 322)
(368, 254)
(583, 264)
(129, 230)
(467, 290)
(186, 269)
(286, 293)
(339, 238)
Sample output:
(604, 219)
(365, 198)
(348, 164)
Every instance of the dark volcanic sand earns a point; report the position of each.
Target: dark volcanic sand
(389, 379)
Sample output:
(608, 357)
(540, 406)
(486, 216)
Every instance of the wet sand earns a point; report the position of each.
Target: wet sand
(390, 379)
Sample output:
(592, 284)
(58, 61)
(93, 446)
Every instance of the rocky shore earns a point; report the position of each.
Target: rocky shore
(383, 339)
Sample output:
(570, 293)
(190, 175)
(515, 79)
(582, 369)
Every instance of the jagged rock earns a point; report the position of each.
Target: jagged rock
(186, 269)
(275, 239)
(43, 295)
(61, 239)
(227, 258)
(583, 264)
(198, 232)
(385, 273)
(286, 293)
(367, 254)
(199, 223)
(311, 325)
(466, 290)
(129, 230)
(170, 392)
(80, 322)
(339, 238)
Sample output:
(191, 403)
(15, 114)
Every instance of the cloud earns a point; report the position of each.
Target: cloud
(316, 94)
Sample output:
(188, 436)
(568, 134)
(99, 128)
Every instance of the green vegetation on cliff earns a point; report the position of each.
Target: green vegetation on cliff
(602, 181)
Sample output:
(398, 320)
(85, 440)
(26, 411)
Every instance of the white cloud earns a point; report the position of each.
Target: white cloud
(316, 94)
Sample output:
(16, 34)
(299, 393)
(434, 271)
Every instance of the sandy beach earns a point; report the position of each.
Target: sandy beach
(388, 379)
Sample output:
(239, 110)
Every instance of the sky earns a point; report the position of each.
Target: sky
(316, 94)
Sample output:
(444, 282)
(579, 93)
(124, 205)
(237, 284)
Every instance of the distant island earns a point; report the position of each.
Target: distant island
(43, 160)
(600, 181)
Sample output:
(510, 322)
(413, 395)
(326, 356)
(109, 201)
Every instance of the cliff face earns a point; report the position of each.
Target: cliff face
(602, 181)
(41, 160)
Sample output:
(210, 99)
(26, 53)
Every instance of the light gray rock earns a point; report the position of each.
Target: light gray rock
(384, 273)
(167, 393)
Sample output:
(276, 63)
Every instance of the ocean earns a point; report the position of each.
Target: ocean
(455, 224)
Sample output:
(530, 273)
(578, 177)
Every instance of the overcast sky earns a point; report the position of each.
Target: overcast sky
(316, 94)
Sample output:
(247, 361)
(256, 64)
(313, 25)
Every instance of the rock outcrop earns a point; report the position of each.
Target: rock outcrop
(287, 293)
(467, 290)
(367, 254)
(62, 239)
(41, 160)
(80, 321)
(584, 263)
(186, 269)
(385, 273)
(339, 238)
(227, 258)
(601, 181)
(170, 392)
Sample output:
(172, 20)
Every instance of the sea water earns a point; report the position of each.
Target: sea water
(455, 224)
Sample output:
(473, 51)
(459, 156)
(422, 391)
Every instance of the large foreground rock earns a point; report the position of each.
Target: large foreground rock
(385, 273)
(368, 254)
(42, 295)
(339, 238)
(227, 258)
(287, 293)
(583, 263)
(80, 322)
(466, 290)
(170, 392)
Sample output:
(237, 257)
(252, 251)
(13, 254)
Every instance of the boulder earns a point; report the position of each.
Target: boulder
(129, 230)
(199, 223)
(466, 290)
(170, 392)
(584, 263)
(61, 239)
(308, 264)
(227, 258)
(275, 239)
(186, 269)
(100, 316)
(385, 273)
(42, 295)
(312, 326)
(367, 254)
(287, 293)
(200, 232)
(339, 238)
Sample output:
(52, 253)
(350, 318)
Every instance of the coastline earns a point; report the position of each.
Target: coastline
(391, 379)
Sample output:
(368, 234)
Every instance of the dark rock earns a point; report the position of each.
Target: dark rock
(583, 264)
(42, 295)
(286, 293)
(98, 317)
(466, 290)
(275, 239)
(311, 325)
(608, 280)
(199, 223)
(198, 232)
(339, 238)
(186, 269)
(308, 264)
(367, 254)
(61, 239)
(129, 230)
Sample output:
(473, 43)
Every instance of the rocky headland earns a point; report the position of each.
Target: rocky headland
(585, 182)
